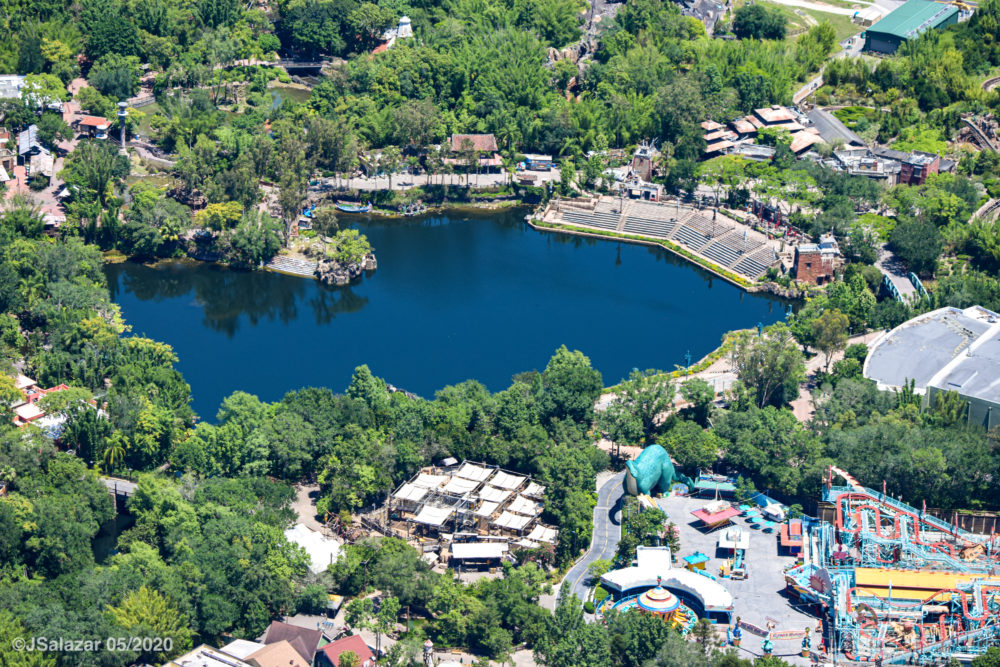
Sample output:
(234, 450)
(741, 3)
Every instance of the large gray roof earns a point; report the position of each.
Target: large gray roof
(831, 128)
(948, 349)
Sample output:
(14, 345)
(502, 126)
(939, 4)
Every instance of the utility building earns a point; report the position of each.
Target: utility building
(909, 22)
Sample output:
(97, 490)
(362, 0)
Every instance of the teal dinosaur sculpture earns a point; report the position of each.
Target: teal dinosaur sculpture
(652, 469)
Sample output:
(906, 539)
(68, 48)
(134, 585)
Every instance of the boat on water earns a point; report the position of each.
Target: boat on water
(354, 208)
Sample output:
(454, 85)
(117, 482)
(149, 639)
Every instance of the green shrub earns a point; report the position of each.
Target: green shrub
(588, 607)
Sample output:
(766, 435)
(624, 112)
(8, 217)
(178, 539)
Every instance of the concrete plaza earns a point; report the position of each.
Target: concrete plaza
(758, 599)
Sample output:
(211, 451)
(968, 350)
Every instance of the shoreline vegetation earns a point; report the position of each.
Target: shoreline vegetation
(535, 223)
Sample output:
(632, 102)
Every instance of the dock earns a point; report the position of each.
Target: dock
(292, 266)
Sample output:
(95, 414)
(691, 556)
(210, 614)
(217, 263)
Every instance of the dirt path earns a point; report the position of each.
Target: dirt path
(305, 505)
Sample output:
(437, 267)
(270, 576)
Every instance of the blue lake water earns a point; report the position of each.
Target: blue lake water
(456, 296)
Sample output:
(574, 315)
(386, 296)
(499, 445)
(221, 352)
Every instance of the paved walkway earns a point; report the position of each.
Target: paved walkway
(890, 265)
(407, 181)
(802, 406)
(119, 486)
(607, 533)
(305, 506)
(833, 9)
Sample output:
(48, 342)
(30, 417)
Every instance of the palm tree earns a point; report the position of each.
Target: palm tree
(391, 157)
(114, 452)
(508, 135)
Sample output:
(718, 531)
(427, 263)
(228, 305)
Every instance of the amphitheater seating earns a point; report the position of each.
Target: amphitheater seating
(691, 238)
(649, 227)
(748, 266)
(600, 220)
(765, 255)
(721, 253)
(706, 226)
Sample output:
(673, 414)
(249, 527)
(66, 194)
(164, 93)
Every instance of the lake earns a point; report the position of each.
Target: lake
(456, 296)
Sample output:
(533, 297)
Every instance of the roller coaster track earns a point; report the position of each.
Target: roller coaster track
(989, 210)
(991, 83)
(983, 139)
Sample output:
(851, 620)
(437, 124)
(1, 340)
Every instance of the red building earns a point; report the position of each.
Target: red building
(330, 654)
(917, 166)
(817, 263)
(26, 411)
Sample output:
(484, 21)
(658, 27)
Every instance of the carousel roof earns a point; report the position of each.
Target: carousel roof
(658, 600)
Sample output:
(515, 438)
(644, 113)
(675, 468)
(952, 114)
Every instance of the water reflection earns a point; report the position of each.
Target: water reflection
(456, 296)
(225, 295)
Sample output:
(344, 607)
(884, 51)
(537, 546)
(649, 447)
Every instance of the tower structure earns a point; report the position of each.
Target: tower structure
(122, 115)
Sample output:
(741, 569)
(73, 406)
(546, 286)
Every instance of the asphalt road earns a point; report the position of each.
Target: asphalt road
(607, 533)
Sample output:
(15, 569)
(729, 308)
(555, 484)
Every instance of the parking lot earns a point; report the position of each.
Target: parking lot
(760, 597)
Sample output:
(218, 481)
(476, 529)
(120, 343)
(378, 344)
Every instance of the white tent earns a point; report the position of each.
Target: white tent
(542, 533)
(512, 521)
(430, 481)
(506, 481)
(487, 509)
(410, 491)
(535, 490)
(522, 505)
(493, 494)
(433, 516)
(460, 486)
(472, 471)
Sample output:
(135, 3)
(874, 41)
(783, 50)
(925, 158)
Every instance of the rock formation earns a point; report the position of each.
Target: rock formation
(332, 272)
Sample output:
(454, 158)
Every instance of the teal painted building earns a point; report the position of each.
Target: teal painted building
(908, 22)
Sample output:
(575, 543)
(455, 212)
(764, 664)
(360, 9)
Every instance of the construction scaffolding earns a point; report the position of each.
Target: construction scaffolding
(471, 501)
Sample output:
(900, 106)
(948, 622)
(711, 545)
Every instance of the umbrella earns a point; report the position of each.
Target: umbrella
(745, 508)
(769, 525)
(754, 519)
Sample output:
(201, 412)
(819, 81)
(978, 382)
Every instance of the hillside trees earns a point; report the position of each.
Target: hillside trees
(770, 365)
(758, 21)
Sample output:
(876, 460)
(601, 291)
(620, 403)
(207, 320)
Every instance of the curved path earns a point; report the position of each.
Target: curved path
(607, 533)
(832, 9)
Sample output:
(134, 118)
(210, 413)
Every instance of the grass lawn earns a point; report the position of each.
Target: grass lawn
(148, 111)
(841, 24)
(800, 20)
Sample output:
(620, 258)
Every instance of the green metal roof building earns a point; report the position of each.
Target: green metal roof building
(908, 22)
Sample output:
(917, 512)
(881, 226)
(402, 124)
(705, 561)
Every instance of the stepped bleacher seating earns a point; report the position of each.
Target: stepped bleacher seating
(721, 253)
(649, 227)
(591, 219)
(748, 266)
(707, 226)
(765, 255)
(691, 237)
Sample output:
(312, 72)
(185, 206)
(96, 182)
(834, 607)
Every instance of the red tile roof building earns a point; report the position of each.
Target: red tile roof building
(480, 142)
(330, 654)
(26, 411)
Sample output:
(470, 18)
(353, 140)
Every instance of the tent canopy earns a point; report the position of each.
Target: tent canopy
(433, 516)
